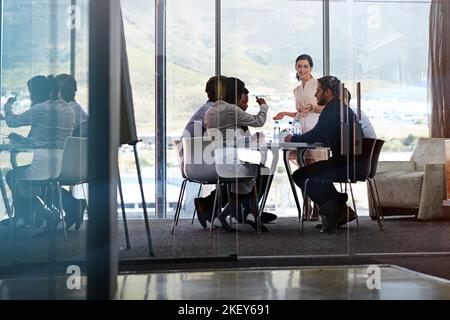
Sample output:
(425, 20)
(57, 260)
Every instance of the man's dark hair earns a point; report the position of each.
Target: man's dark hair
(304, 57)
(67, 86)
(212, 89)
(39, 88)
(332, 83)
(234, 88)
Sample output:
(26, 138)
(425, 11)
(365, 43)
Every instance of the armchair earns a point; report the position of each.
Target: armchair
(415, 187)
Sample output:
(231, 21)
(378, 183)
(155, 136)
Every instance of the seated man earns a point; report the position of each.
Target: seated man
(333, 208)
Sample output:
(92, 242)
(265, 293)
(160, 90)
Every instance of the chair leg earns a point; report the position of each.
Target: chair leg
(375, 206)
(60, 205)
(378, 199)
(216, 207)
(178, 209)
(195, 209)
(354, 204)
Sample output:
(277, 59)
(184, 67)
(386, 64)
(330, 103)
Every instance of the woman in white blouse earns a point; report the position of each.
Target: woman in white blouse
(306, 104)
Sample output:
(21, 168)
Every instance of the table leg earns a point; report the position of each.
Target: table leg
(273, 168)
(291, 182)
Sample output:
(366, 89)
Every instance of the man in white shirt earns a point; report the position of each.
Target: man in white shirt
(366, 125)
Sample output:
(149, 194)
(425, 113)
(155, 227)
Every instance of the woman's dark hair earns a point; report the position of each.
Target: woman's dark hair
(304, 57)
(39, 89)
(53, 86)
(234, 88)
(332, 83)
(67, 86)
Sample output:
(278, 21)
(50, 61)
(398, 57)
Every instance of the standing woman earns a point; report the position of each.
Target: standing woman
(306, 105)
(308, 110)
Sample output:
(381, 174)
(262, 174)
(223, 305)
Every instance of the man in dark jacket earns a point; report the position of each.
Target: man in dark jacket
(327, 131)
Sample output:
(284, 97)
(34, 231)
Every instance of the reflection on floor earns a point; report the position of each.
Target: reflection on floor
(359, 282)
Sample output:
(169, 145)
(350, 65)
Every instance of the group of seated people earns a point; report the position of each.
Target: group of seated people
(54, 115)
(318, 106)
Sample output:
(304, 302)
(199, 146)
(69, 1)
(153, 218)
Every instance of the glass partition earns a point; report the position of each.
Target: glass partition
(384, 45)
(43, 147)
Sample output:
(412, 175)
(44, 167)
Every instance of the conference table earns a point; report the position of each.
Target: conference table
(286, 148)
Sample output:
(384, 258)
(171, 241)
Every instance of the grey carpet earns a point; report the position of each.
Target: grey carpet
(403, 235)
(284, 239)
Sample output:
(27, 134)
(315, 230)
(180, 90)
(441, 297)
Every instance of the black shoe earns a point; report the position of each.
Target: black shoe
(201, 219)
(268, 217)
(328, 214)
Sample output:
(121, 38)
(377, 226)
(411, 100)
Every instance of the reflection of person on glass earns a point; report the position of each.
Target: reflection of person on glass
(51, 121)
(67, 89)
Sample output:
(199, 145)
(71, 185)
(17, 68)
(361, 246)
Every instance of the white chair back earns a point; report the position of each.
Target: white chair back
(75, 162)
(198, 158)
(179, 150)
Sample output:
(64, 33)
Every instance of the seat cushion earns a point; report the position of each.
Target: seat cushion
(400, 189)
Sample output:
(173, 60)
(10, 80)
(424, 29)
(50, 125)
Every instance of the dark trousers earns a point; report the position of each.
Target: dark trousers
(25, 205)
(261, 183)
(320, 188)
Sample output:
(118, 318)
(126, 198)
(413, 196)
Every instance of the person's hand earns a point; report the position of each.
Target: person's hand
(11, 100)
(260, 101)
(288, 138)
(279, 116)
(307, 108)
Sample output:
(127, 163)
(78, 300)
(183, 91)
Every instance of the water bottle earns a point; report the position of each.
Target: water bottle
(276, 131)
(297, 128)
(290, 129)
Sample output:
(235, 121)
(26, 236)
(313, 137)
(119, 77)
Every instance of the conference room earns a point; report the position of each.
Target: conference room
(119, 194)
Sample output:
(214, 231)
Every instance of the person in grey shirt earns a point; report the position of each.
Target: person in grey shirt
(196, 125)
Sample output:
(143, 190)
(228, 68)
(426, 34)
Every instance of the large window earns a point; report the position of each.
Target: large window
(384, 44)
(139, 23)
(190, 63)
